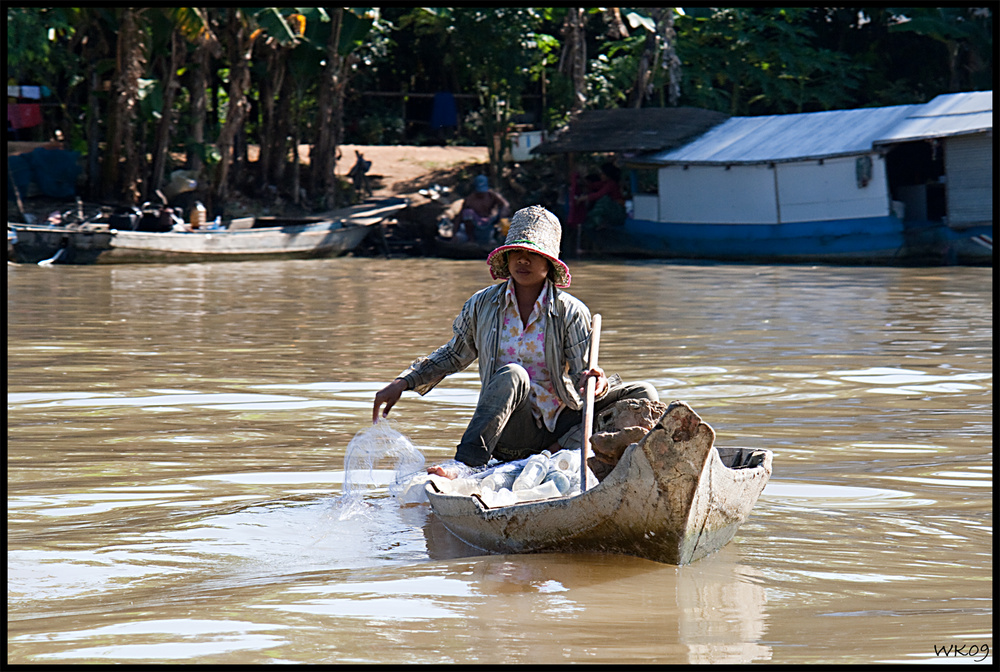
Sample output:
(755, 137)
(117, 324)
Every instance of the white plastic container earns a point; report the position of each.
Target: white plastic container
(533, 473)
(499, 480)
(543, 491)
(567, 460)
(560, 479)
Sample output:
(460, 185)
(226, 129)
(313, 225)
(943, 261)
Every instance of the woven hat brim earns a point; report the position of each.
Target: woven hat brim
(497, 261)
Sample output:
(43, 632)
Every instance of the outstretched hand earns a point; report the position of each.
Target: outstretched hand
(388, 396)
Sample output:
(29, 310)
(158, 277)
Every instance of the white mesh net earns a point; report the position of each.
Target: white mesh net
(377, 457)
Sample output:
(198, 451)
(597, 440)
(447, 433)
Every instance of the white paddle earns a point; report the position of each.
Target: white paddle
(588, 409)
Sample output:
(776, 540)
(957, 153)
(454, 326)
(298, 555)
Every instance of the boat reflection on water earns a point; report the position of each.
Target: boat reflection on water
(710, 612)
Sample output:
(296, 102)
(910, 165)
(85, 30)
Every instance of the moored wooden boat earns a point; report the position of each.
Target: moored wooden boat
(452, 248)
(334, 234)
(78, 244)
(673, 497)
(291, 241)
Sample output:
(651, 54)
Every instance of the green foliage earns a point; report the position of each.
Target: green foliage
(744, 60)
(761, 60)
(35, 44)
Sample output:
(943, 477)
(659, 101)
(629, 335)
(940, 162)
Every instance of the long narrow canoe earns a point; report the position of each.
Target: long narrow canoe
(255, 238)
(673, 497)
(292, 241)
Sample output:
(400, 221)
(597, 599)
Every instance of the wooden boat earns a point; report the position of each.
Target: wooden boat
(36, 243)
(253, 238)
(673, 497)
(452, 248)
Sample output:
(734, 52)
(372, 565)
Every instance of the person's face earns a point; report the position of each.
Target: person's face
(527, 268)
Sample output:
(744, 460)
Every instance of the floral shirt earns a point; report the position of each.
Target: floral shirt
(476, 335)
(525, 345)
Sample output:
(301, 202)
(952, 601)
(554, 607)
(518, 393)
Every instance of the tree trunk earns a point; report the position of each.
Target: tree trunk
(164, 130)
(323, 157)
(270, 142)
(671, 62)
(296, 141)
(239, 83)
(573, 60)
(495, 120)
(644, 75)
(660, 47)
(93, 134)
(279, 159)
(199, 87)
(616, 26)
(118, 180)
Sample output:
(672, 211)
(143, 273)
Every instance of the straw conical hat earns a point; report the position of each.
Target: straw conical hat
(537, 230)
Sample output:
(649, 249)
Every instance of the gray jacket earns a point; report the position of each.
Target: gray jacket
(477, 335)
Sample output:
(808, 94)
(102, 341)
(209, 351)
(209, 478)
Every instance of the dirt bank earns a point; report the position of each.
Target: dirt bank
(398, 170)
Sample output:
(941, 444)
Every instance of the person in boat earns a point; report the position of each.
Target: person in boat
(481, 210)
(532, 341)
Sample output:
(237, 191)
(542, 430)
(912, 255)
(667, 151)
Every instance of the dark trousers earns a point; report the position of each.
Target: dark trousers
(503, 426)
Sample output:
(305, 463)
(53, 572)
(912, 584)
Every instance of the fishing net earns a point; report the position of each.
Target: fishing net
(377, 457)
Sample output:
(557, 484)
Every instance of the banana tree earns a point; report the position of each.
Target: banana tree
(170, 32)
(242, 26)
(335, 39)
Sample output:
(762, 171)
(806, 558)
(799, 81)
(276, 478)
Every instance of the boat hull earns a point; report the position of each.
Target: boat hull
(294, 241)
(670, 499)
(449, 248)
(881, 240)
(39, 243)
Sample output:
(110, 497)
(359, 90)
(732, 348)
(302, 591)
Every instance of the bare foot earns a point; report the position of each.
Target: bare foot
(447, 472)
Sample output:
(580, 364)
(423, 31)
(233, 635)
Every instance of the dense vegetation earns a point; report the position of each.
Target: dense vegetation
(143, 91)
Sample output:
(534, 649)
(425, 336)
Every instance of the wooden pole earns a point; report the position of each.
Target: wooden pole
(588, 410)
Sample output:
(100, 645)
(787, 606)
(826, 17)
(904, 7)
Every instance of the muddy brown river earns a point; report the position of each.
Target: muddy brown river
(177, 439)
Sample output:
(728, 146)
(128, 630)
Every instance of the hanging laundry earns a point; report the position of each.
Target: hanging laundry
(24, 115)
(32, 92)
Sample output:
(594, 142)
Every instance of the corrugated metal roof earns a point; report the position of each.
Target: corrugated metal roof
(819, 135)
(947, 115)
(648, 129)
(789, 137)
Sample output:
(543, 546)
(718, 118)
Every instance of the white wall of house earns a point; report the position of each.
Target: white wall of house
(646, 207)
(810, 192)
(745, 194)
(712, 194)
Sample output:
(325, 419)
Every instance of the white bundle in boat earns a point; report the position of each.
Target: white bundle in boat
(545, 476)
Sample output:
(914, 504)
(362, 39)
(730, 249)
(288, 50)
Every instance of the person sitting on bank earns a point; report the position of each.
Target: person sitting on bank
(481, 210)
(532, 341)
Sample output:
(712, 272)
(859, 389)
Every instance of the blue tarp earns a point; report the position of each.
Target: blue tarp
(54, 171)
